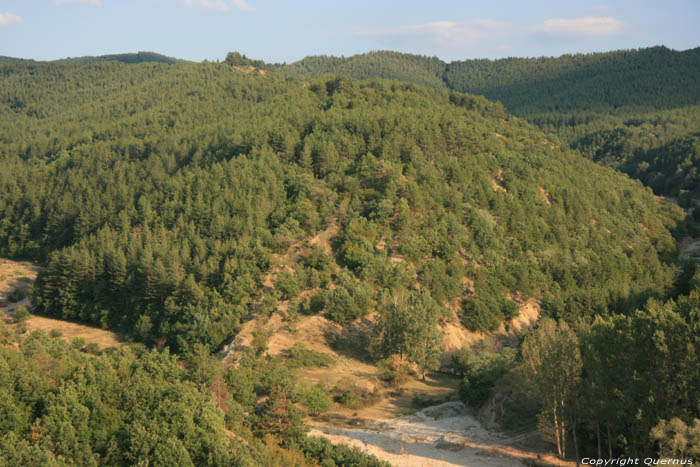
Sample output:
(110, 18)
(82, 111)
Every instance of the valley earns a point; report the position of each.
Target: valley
(348, 261)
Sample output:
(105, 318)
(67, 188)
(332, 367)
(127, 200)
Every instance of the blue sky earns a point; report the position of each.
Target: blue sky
(287, 30)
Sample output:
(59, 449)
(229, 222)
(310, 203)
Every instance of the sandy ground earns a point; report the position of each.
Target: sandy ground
(440, 436)
(14, 274)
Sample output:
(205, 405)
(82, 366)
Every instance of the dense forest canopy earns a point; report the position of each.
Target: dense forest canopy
(156, 213)
(620, 108)
(63, 405)
(159, 197)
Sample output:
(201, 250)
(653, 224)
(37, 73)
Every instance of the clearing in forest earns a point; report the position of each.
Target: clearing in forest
(16, 275)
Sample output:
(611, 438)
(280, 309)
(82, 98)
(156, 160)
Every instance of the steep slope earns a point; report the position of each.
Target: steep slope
(653, 78)
(157, 195)
(623, 108)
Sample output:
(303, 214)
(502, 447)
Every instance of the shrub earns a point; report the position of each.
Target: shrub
(315, 304)
(392, 371)
(261, 337)
(486, 312)
(312, 397)
(300, 357)
(17, 295)
(349, 300)
(481, 369)
(55, 333)
(78, 342)
(337, 455)
(287, 284)
(354, 397)
(21, 314)
(92, 348)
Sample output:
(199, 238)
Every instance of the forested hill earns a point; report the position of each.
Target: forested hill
(9, 60)
(138, 57)
(653, 78)
(620, 108)
(155, 195)
(382, 64)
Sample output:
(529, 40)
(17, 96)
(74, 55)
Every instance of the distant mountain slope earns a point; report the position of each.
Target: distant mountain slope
(643, 99)
(10, 60)
(383, 64)
(654, 78)
(139, 57)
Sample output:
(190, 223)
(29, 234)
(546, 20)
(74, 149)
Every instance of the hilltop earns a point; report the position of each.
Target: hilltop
(624, 109)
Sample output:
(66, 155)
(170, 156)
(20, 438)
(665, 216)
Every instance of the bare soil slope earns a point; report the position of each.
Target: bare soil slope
(445, 435)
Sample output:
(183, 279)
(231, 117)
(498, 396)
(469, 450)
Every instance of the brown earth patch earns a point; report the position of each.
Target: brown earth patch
(16, 274)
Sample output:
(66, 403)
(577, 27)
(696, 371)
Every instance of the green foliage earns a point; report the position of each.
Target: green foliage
(392, 65)
(132, 58)
(240, 60)
(132, 406)
(635, 110)
(393, 371)
(78, 342)
(21, 314)
(313, 397)
(676, 439)
(408, 327)
(338, 455)
(485, 311)
(261, 337)
(301, 357)
(157, 213)
(278, 416)
(349, 300)
(480, 369)
(551, 368)
(17, 295)
(288, 284)
(354, 396)
(116, 408)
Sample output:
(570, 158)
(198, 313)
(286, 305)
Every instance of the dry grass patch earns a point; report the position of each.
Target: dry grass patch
(21, 275)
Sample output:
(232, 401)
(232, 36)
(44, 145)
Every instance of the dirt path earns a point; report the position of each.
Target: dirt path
(444, 435)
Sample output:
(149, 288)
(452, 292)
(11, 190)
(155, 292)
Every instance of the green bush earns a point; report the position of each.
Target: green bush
(315, 304)
(392, 372)
(480, 369)
(312, 397)
(353, 397)
(349, 300)
(486, 312)
(78, 342)
(301, 357)
(337, 455)
(287, 284)
(261, 337)
(21, 314)
(92, 348)
(17, 295)
(55, 333)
